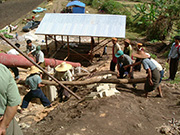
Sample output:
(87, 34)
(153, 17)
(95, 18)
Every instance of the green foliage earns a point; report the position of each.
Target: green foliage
(146, 15)
(97, 3)
(88, 2)
(176, 80)
(153, 56)
(157, 17)
(154, 41)
(167, 66)
(112, 7)
(166, 54)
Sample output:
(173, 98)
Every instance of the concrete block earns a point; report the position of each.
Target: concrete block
(108, 93)
(92, 95)
(99, 88)
(105, 76)
(115, 91)
(100, 94)
(105, 86)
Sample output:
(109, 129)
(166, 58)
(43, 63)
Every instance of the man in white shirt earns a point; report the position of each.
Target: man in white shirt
(14, 69)
(39, 57)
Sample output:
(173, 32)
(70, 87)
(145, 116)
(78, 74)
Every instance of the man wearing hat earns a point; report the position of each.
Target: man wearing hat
(34, 83)
(173, 57)
(127, 48)
(116, 47)
(39, 57)
(63, 74)
(30, 48)
(123, 60)
(153, 77)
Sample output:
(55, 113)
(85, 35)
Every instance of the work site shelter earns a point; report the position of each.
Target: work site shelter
(100, 26)
(77, 6)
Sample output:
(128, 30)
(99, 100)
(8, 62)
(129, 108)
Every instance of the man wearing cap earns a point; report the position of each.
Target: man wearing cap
(127, 48)
(116, 47)
(63, 74)
(173, 57)
(34, 83)
(9, 101)
(39, 57)
(123, 60)
(14, 69)
(30, 48)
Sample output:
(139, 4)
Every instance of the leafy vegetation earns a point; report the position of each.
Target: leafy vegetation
(153, 56)
(157, 18)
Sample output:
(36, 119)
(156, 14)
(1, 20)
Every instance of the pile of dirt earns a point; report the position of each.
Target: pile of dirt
(124, 114)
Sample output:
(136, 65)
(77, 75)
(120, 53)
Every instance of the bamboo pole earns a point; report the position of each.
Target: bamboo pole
(52, 77)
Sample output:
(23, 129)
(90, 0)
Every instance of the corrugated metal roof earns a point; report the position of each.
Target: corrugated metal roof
(75, 3)
(95, 25)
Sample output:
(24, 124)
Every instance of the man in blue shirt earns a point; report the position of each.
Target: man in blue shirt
(123, 60)
(153, 77)
(34, 83)
(173, 57)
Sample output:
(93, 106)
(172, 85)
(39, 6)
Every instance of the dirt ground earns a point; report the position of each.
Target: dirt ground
(125, 114)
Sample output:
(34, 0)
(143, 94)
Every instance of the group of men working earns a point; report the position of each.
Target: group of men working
(31, 50)
(10, 97)
(9, 94)
(124, 62)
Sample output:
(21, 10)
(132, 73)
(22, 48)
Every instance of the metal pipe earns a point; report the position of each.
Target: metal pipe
(52, 77)
(11, 60)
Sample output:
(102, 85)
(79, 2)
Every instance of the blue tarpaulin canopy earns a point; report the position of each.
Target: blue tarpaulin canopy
(75, 3)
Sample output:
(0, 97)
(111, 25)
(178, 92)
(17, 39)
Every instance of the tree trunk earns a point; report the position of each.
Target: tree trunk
(92, 80)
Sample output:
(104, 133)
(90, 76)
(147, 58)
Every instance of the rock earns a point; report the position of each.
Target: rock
(165, 129)
(24, 125)
(91, 96)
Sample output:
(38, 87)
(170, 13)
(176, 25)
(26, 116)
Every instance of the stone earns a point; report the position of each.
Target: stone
(99, 88)
(108, 93)
(165, 129)
(92, 95)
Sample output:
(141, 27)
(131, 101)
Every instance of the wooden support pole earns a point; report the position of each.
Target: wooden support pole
(92, 46)
(79, 54)
(68, 46)
(55, 41)
(62, 39)
(52, 77)
(47, 47)
(101, 46)
(79, 40)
